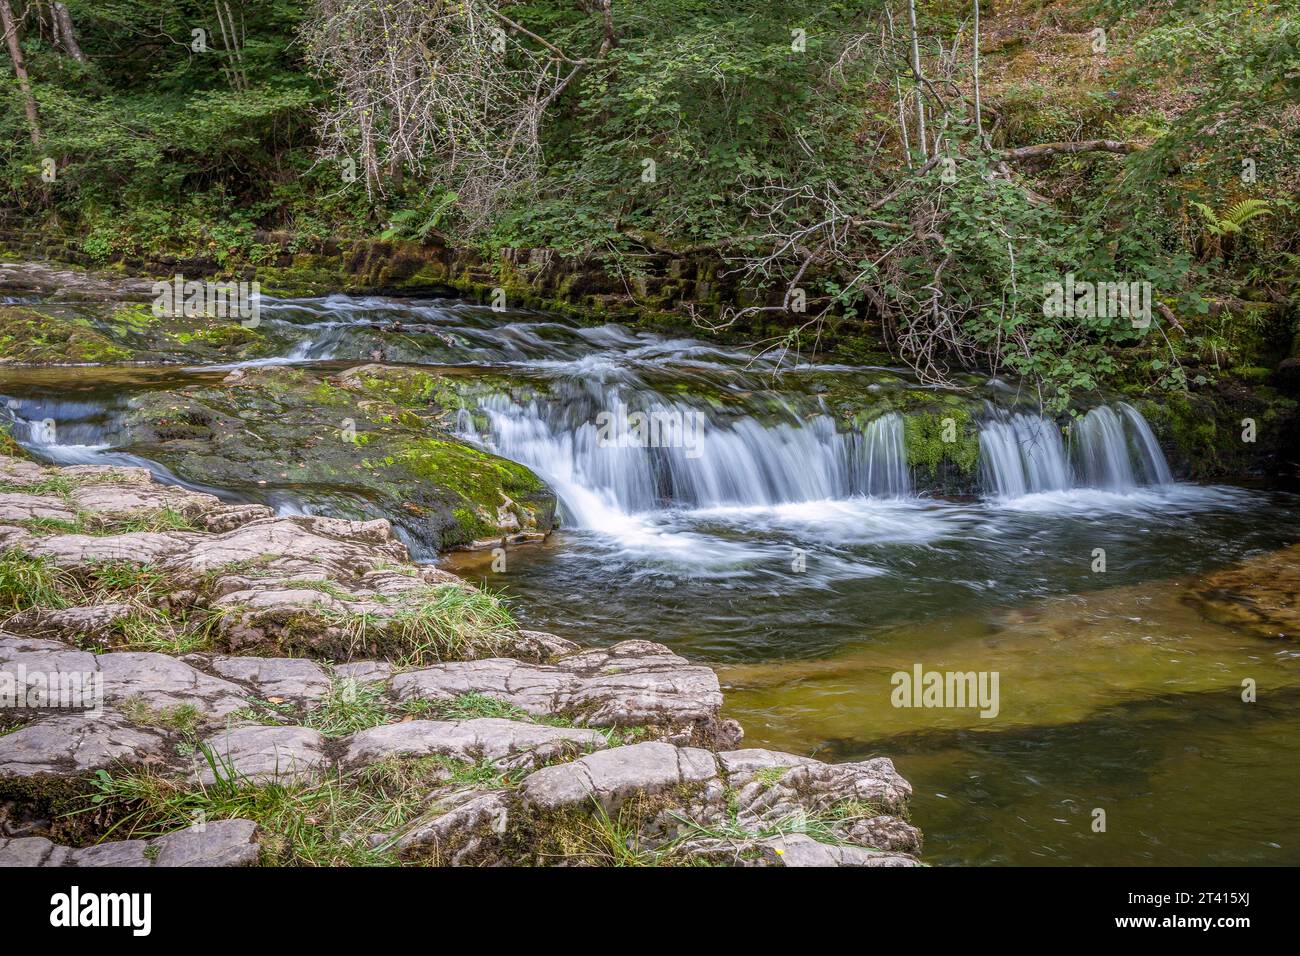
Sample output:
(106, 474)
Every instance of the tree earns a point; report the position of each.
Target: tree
(10, 25)
(63, 32)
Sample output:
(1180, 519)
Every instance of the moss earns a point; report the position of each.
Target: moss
(59, 801)
(943, 448)
(221, 335)
(183, 718)
(479, 478)
(1201, 433)
(134, 316)
(8, 445)
(32, 337)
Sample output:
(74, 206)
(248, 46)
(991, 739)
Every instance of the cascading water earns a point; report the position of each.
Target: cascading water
(707, 461)
(1022, 454)
(1112, 449)
(1150, 459)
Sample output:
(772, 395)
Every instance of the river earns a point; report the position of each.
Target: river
(794, 552)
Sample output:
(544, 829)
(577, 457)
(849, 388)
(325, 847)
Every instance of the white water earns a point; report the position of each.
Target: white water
(738, 463)
(1110, 451)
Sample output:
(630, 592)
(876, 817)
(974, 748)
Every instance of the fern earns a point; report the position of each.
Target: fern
(1233, 218)
(1246, 210)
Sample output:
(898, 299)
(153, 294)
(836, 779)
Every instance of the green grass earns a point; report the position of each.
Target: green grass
(35, 582)
(108, 578)
(309, 825)
(52, 485)
(324, 586)
(439, 623)
(163, 519)
(183, 718)
(27, 581)
(348, 706)
(151, 629)
(44, 526)
(472, 705)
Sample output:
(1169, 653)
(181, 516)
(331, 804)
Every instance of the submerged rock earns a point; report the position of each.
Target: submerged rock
(1260, 595)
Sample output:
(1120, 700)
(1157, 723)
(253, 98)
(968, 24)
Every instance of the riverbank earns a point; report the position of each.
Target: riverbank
(413, 722)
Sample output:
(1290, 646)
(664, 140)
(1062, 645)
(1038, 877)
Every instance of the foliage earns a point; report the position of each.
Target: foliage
(775, 135)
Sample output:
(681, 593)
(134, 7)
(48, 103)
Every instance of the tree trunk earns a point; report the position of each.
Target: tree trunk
(916, 75)
(610, 39)
(979, 119)
(63, 30)
(10, 26)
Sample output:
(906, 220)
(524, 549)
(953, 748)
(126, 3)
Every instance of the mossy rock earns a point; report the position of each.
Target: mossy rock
(345, 447)
(34, 337)
(943, 449)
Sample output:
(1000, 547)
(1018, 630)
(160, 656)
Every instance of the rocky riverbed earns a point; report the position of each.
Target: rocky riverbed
(197, 683)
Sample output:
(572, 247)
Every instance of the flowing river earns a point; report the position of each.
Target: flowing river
(797, 556)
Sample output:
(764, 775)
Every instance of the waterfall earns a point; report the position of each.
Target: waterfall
(1151, 460)
(707, 461)
(1110, 450)
(1022, 454)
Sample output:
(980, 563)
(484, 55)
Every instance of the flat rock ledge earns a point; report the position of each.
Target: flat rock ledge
(220, 843)
(524, 750)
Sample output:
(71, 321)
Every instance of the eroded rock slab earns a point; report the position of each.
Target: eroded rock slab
(73, 744)
(610, 777)
(801, 850)
(286, 678)
(635, 683)
(457, 831)
(16, 506)
(261, 755)
(508, 743)
(219, 843)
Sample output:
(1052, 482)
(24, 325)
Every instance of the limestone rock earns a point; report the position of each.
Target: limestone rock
(260, 755)
(365, 672)
(611, 776)
(71, 744)
(218, 843)
(634, 683)
(458, 830)
(221, 843)
(814, 786)
(81, 624)
(117, 502)
(799, 849)
(162, 682)
(286, 677)
(16, 506)
(508, 743)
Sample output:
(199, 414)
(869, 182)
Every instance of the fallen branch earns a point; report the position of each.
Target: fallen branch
(1060, 149)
